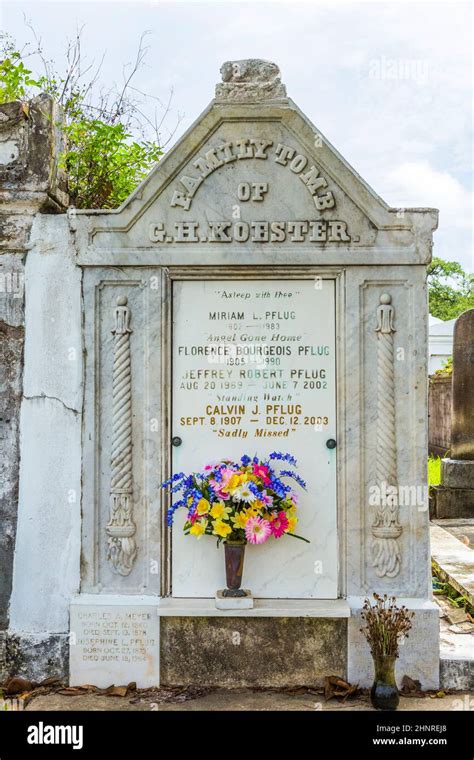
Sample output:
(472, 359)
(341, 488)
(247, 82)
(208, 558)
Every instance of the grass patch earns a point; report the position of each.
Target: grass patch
(441, 587)
(434, 471)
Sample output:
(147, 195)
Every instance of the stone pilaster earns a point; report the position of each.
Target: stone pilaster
(30, 183)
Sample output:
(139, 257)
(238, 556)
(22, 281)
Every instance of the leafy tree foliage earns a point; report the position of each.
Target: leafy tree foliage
(450, 289)
(112, 143)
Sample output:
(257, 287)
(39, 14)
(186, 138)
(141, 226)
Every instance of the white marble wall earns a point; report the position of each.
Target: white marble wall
(48, 545)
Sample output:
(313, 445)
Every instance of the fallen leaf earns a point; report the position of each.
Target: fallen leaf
(50, 681)
(17, 685)
(350, 692)
(337, 687)
(120, 691)
(72, 691)
(410, 687)
(296, 691)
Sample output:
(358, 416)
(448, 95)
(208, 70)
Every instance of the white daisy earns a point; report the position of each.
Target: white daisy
(243, 493)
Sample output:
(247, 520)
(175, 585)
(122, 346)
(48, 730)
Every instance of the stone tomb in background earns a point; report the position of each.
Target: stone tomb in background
(255, 237)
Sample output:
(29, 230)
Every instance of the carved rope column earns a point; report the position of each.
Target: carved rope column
(121, 528)
(386, 527)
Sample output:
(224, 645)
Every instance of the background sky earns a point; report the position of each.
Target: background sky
(388, 84)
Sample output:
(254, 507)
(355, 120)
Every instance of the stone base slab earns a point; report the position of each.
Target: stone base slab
(33, 655)
(229, 649)
(453, 560)
(452, 502)
(457, 473)
(234, 602)
(456, 674)
(249, 651)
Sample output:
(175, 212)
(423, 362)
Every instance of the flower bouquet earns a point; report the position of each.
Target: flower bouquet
(386, 625)
(238, 502)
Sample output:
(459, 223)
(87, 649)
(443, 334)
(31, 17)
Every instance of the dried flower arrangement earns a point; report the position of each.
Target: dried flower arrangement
(385, 625)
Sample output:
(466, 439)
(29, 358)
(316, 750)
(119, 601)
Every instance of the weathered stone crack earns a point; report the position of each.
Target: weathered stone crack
(52, 398)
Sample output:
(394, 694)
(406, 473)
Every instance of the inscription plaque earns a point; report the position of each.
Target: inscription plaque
(254, 372)
(114, 644)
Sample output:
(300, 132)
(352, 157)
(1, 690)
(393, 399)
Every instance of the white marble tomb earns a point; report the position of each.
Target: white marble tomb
(252, 200)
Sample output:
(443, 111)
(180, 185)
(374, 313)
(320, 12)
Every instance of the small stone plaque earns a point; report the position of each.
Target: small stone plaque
(462, 429)
(234, 602)
(114, 644)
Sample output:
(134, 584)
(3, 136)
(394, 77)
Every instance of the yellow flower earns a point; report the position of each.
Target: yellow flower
(257, 504)
(239, 520)
(220, 511)
(203, 507)
(199, 528)
(292, 524)
(233, 483)
(220, 528)
(250, 512)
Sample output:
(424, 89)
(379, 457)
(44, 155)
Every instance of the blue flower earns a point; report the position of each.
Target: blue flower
(176, 476)
(280, 488)
(253, 488)
(294, 475)
(172, 510)
(283, 457)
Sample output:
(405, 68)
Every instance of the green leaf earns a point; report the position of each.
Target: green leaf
(293, 535)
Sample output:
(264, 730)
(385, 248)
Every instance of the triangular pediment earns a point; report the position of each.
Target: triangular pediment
(254, 173)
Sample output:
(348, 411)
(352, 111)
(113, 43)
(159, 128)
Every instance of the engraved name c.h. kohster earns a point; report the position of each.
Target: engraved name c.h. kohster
(121, 528)
(386, 528)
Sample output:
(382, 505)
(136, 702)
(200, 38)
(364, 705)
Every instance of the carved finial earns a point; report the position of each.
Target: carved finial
(122, 317)
(251, 81)
(385, 315)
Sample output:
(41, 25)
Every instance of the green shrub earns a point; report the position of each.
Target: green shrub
(434, 471)
(108, 154)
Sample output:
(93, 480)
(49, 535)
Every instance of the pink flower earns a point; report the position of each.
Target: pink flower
(257, 530)
(266, 499)
(279, 524)
(261, 471)
(217, 486)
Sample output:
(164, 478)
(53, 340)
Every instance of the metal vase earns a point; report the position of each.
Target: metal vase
(234, 553)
